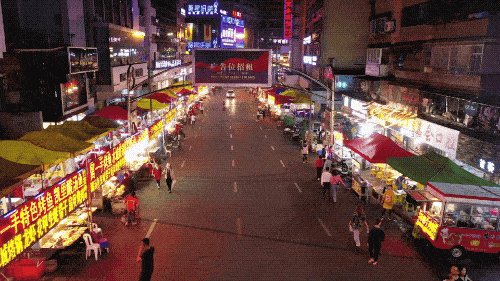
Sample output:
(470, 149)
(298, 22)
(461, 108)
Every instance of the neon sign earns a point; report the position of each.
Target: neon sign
(25, 225)
(202, 9)
(428, 225)
(198, 45)
(288, 19)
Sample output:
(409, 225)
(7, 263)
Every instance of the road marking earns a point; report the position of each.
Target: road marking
(230, 136)
(272, 147)
(324, 227)
(296, 185)
(190, 147)
(283, 164)
(239, 226)
(235, 187)
(231, 147)
(261, 128)
(232, 163)
(151, 228)
(182, 165)
(229, 127)
(265, 136)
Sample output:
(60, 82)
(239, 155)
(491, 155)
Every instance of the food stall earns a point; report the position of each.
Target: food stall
(370, 160)
(463, 217)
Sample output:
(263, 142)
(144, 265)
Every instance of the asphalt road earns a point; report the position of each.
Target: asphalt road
(245, 207)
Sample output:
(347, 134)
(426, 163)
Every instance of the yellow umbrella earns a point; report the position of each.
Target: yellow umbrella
(24, 152)
(290, 93)
(148, 103)
(301, 98)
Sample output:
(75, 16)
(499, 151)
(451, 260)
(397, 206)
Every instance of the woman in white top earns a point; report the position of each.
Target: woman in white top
(305, 151)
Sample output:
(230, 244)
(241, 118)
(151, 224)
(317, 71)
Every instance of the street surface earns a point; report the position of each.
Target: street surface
(245, 207)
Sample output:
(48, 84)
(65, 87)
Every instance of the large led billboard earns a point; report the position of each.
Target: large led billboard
(232, 32)
(233, 68)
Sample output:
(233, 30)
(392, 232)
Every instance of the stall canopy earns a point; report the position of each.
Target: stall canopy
(113, 112)
(24, 152)
(279, 99)
(185, 92)
(55, 141)
(376, 148)
(79, 130)
(436, 168)
(12, 174)
(276, 90)
(101, 122)
(162, 97)
(148, 104)
(169, 93)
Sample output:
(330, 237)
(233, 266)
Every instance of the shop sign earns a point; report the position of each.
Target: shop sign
(25, 225)
(488, 165)
(428, 225)
(440, 137)
(287, 19)
(202, 9)
(359, 109)
(168, 63)
(338, 137)
(356, 186)
(155, 129)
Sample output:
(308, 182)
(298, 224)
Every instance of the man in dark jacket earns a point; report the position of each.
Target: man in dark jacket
(375, 238)
(145, 256)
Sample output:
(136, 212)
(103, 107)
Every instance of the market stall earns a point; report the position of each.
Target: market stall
(371, 163)
(462, 217)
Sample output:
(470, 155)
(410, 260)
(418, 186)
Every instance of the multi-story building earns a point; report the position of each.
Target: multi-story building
(38, 36)
(439, 61)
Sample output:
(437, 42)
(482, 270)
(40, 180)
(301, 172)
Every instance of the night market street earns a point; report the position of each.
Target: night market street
(245, 207)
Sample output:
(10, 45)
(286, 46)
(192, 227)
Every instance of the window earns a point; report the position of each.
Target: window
(139, 72)
(415, 15)
(457, 59)
(471, 216)
(123, 77)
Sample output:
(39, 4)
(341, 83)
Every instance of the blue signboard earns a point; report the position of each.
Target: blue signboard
(202, 9)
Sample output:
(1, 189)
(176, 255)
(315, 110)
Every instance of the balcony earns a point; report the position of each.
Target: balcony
(377, 70)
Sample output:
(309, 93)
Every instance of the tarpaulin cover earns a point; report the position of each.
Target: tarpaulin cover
(185, 92)
(169, 93)
(55, 141)
(113, 112)
(101, 122)
(376, 148)
(72, 133)
(147, 104)
(24, 152)
(162, 97)
(12, 174)
(436, 168)
(79, 130)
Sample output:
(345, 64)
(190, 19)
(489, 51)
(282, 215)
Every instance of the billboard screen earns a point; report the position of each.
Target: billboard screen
(234, 68)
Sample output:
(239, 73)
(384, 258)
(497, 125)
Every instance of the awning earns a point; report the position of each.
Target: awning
(24, 152)
(376, 148)
(162, 97)
(55, 141)
(279, 99)
(387, 113)
(72, 132)
(185, 92)
(436, 168)
(169, 93)
(113, 112)
(101, 122)
(148, 104)
(12, 175)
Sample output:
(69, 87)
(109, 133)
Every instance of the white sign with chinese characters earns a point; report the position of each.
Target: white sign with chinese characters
(487, 165)
(440, 137)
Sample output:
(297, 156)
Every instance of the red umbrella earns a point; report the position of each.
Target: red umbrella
(163, 98)
(113, 112)
(184, 92)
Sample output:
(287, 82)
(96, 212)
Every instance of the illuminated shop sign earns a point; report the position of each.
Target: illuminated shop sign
(359, 109)
(232, 33)
(428, 225)
(233, 21)
(168, 63)
(202, 9)
(183, 11)
(310, 60)
(126, 47)
(25, 225)
(198, 45)
(307, 40)
(155, 129)
(236, 14)
(82, 59)
(287, 25)
(106, 165)
(488, 165)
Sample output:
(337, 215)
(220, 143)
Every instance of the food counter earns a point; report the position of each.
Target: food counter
(67, 231)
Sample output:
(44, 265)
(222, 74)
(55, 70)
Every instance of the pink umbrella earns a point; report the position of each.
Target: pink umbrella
(113, 112)
(163, 98)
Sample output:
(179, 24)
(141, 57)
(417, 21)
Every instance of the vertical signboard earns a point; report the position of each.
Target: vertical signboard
(234, 68)
(287, 25)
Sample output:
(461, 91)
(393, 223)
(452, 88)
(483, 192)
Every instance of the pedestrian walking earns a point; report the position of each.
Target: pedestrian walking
(335, 180)
(355, 224)
(375, 238)
(157, 174)
(131, 203)
(319, 167)
(388, 202)
(193, 120)
(146, 257)
(325, 181)
(169, 177)
(454, 274)
(305, 152)
(327, 163)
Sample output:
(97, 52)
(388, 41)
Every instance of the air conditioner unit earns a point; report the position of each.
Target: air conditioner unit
(390, 26)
